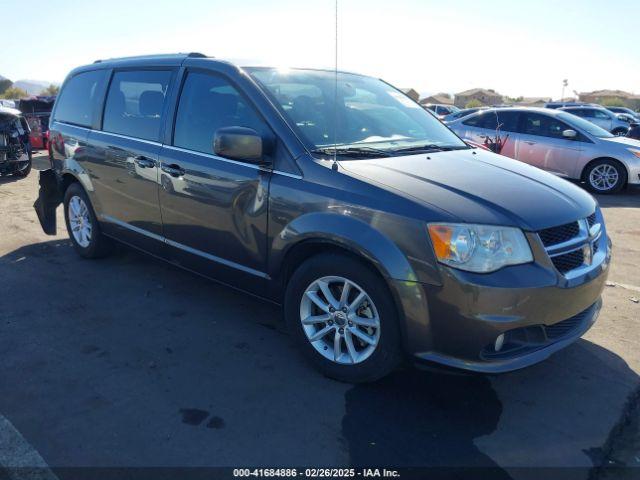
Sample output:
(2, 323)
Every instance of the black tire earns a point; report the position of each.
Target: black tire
(620, 132)
(24, 170)
(98, 246)
(387, 353)
(607, 163)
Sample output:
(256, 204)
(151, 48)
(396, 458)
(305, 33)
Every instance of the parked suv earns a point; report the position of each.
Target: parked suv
(379, 230)
(561, 143)
(616, 123)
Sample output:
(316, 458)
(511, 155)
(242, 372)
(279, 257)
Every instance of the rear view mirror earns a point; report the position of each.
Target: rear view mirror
(569, 134)
(238, 143)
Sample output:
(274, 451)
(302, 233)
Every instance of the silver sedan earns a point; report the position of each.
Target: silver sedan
(558, 142)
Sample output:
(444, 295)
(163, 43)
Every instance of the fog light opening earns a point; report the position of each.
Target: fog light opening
(499, 342)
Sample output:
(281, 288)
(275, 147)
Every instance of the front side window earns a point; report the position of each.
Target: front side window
(361, 113)
(209, 102)
(601, 115)
(77, 101)
(542, 125)
(135, 103)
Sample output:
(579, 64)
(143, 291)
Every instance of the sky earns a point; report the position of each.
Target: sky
(517, 47)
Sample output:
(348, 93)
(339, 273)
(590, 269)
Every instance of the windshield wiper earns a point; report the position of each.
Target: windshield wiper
(430, 148)
(353, 152)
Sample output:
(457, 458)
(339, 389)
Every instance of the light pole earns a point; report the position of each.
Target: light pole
(565, 83)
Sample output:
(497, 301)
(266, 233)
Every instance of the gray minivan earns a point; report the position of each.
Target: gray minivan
(383, 235)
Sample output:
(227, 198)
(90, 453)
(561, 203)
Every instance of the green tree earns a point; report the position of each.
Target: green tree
(51, 90)
(612, 102)
(473, 104)
(4, 84)
(14, 93)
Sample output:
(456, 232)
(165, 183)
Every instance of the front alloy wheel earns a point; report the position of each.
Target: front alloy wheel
(605, 176)
(340, 320)
(343, 317)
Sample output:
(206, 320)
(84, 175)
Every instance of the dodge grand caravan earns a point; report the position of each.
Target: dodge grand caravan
(379, 230)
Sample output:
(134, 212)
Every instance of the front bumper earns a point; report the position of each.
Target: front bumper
(539, 310)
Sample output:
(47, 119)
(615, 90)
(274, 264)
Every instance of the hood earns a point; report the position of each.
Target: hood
(623, 141)
(479, 187)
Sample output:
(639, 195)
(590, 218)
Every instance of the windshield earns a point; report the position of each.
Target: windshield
(585, 125)
(364, 115)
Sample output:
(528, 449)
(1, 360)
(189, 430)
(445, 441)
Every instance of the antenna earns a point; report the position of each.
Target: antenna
(334, 165)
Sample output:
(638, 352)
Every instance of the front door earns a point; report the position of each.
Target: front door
(541, 144)
(214, 209)
(123, 160)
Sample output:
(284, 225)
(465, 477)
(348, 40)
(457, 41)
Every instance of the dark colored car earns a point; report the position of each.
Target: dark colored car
(15, 148)
(37, 111)
(634, 131)
(379, 230)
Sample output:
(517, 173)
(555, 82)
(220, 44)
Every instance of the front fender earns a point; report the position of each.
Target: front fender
(344, 231)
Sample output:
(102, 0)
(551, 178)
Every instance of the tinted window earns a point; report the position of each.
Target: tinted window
(487, 120)
(542, 125)
(601, 114)
(207, 103)
(76, 103)
(135, 102)
(508, 120)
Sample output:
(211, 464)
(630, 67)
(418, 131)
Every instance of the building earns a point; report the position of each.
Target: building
(532, 101)
(485, 96)
(411, 93)
(601, 96)
(440, 98)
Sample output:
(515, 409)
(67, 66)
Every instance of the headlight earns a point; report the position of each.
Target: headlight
(635, 152)
(479, 248)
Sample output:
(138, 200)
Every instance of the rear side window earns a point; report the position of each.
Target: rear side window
(488, 120)
(207, 103)
(508, 121)
(79, 97)
(135, 103)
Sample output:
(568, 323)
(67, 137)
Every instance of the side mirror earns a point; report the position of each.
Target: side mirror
(238, 143)
(570, 134)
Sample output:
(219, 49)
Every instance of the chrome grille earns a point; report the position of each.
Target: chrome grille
(572, 245)
(555, 235)
(568, 261)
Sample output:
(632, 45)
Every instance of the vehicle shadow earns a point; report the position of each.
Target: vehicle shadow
(136, 363)
(628, 198)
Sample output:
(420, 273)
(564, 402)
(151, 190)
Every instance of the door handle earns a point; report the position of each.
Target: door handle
(173, 170)
(528, 142)
(144, 162)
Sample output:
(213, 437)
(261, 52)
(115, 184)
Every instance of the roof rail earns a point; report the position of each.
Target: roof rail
(188, 55)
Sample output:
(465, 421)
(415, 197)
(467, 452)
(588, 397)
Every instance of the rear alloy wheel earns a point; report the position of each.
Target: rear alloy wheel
(343, 318)
(605, 176)
(82, 224)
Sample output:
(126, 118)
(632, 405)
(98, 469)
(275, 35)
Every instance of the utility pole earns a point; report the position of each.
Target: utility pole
(565, 83)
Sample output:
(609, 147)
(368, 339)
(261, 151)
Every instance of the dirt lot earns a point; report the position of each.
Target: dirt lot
(127, 361)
